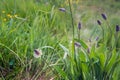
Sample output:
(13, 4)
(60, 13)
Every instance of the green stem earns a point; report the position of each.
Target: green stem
(78, 34)
(109, 28)
(103, 32)
(73, 51)
(71, 18)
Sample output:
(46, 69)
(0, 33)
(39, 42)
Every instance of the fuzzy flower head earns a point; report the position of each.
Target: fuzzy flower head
(117, 28)
(99, 22)
(37, 53)
(62, 9)
(104, 16)
(97, 38)
(88, 50)
(77, 44)
(79, 25)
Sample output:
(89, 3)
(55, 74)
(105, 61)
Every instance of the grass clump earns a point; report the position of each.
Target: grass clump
(42, 40)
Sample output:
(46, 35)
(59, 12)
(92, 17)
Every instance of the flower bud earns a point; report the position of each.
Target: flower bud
(77, 44)
(62, 9)
(97, 38)
(79, 25)
(117, 28)
(99, 22)
(37, 53)
(88, 50)
(104, 16)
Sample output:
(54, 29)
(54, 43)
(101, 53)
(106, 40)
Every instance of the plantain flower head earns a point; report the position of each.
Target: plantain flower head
(104, 16)
(37, 53)
(117, 28)
(62, 9)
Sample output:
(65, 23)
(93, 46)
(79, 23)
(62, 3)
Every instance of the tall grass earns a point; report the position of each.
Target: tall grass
(27, 25)
(35, 26)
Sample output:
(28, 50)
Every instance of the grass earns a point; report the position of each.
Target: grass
(66, 52)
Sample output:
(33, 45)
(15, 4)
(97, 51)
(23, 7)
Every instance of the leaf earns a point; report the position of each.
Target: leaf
(113, 41)
(116, 73)
(64, 48)
(61, 72)
(52, 11)
(111, 61)
(102, 59)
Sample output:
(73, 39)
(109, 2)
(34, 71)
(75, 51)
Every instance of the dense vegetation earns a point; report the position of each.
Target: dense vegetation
(59, 40)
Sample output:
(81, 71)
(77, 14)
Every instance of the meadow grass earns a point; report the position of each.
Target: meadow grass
(70, 47)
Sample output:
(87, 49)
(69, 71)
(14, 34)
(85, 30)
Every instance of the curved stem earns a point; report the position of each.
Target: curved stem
(103, 32)
(109, 28)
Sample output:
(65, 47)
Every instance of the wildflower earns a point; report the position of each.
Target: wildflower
(117, 28)
(37, 53)
(88, 50)
(99, 22)
(104, 16)
(15, 15)
(62, 9)
(3, 11)
(4, 19)
(79, 25)
(77, 44)
(97, 38)
(10, 16)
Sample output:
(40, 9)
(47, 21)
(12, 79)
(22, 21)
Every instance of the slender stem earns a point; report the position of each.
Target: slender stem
(71, 18)
(109, 28)
(78, 34)
(116, 40)
(73, 46)
(103, 32)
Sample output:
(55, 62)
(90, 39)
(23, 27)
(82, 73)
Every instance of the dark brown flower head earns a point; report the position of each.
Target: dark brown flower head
(97, 38)
(77, 44)
(117, 28)
(62, 9)
(88, 50)
(99, 22)
(37, 53)
(104, 16)
(79, 25)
